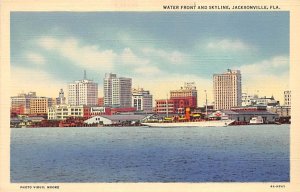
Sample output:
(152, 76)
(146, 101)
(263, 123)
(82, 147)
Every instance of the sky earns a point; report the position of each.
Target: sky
(158, 50)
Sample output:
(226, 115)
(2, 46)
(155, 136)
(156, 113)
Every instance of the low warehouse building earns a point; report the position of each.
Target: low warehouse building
(98, 120)
(114, 119)
(245, 116)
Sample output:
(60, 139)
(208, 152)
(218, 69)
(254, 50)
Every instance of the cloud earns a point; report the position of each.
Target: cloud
(35, 58)
(173, 57)
(145, 64)
(86, 56)
(138, 65)
(161, 85)
(148, 62)
(229, 45)
(25, 79)
(277, 64)
(49, 43)
(143, 42)
(92, 57)
(147, 70)
(129, 58)
(268, 77)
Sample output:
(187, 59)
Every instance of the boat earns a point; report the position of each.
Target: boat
(216, 119)
(256, 120)
(205, 123)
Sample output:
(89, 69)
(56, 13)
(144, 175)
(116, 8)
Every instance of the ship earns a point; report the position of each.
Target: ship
(205, 123)
(217, 119)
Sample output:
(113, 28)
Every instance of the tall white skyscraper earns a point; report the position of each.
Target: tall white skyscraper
(83, 92)
(227, 89)
(117, 91)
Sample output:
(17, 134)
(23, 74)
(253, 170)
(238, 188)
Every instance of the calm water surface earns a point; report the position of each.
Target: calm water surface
(141, 154)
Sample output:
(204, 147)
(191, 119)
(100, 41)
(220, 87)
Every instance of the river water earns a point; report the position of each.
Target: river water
(140, 154)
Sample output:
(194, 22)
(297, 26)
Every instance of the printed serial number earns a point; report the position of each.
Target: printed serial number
(277, 186)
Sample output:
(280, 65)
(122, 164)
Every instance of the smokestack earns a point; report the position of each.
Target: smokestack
(187, 113)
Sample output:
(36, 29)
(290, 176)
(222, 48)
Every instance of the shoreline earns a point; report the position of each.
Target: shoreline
(117, 126)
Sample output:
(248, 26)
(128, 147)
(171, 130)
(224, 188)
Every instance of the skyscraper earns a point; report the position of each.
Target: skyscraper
(227, 89)
(117, 91)
(83, 92)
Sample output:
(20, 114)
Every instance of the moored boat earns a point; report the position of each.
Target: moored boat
(256, 120)
(210, 123)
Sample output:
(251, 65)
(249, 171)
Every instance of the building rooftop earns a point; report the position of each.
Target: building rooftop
(229, 112)
(124, 117)
(258, 112)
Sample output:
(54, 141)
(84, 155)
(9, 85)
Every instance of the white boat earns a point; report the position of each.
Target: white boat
(256, 120)
(211, 123)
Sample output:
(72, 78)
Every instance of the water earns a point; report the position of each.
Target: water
(141, 154)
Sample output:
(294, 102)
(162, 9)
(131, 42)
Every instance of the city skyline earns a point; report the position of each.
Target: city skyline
(159, 51)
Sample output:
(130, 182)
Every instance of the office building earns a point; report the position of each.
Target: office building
(227, 89)
(83, 92)
(63, 111)
(180, 99)
(165, 106)
(20, 104)
(247, 100)
(142, 100)
(39, 105)
(255, 100)
(117, 91)
(184, 97)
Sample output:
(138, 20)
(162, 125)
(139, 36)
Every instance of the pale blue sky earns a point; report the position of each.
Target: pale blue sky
(151, 46)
